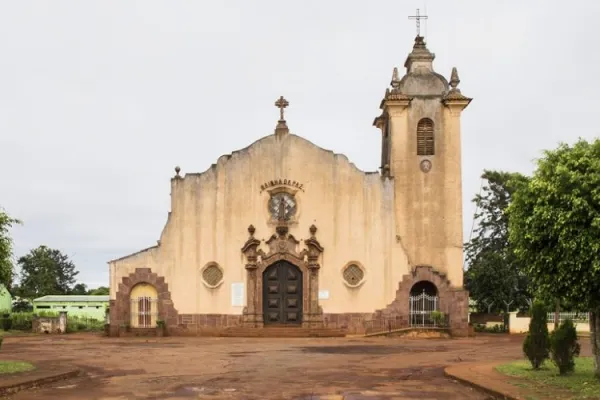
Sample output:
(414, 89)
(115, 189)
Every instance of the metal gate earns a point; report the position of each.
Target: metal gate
(144, 312)
(421, 308)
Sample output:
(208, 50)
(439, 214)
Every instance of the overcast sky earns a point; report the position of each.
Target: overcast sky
(99, 100)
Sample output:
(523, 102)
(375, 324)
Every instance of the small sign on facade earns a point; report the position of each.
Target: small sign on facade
(323, 294)
(237, 294)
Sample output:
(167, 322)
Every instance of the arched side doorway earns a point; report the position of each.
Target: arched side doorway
(143, 306)
(424, 305)
(282, 294)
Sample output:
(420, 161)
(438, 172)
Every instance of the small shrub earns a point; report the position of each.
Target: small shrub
(6, 322)
(491, 329)
(437, 318)
(564, 347)
(86, 324)
(160, 323)
(22, 321)
(536, 345)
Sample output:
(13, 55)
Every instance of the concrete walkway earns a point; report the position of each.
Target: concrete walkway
(484, 376)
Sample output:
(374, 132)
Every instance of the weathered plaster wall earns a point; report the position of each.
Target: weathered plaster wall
(429, 204)
(353, 210)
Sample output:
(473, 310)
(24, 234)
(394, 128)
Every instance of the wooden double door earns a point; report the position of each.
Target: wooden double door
(282, 294)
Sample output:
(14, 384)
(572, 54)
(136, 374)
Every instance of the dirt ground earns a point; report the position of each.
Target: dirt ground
(237, 368)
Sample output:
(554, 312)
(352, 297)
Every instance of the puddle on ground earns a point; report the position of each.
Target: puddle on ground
(198, 391)
(66, 387)
(370, 349)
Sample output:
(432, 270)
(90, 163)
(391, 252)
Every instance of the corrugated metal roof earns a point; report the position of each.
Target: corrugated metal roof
(73, 298)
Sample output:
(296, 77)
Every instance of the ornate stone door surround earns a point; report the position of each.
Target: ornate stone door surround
(282, 246)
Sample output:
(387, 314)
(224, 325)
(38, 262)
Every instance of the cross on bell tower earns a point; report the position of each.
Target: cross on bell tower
(281, 127)
(418, 18)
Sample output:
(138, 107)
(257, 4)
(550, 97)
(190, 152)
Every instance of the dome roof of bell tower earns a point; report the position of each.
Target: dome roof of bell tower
(420, 78)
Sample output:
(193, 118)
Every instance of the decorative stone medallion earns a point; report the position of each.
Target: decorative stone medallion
(426, 166)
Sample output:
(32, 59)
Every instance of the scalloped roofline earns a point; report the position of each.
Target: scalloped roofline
(228, 156)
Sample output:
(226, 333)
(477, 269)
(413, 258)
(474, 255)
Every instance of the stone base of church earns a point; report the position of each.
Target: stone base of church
(453, 302)
(352, 323)
(215, 324)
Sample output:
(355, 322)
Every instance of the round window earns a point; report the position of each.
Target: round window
(212, 275)
(353, 274)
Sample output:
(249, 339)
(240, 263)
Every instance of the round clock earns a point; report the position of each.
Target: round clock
(282, 206)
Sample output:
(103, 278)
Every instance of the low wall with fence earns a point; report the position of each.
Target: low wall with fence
(49, 324)
(486, 319)
(47, 321)
(520, 324)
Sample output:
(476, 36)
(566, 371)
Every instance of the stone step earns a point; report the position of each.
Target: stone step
(291, 332)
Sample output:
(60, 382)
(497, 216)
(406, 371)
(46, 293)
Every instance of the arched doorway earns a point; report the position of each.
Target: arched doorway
(143, 306)
(282, 294)
(424, 305)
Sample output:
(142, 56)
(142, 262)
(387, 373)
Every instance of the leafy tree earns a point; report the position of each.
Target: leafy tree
(21, 305)
(6, 249)
(537, 343)
(555, 229)
(46, 271)
(494, 276)
(565, 347)
(80, 289)
(100, 291)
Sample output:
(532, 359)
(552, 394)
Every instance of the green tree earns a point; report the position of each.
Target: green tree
(80, 289)
(555, 229)
(6, 249)
(100, 291)
(536, 345)
(494, 276)
(565, 347)
(45, 271)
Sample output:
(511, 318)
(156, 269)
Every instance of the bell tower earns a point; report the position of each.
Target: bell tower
(421, 152)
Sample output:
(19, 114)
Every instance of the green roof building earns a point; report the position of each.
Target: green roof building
(80, 306)
(5, 300)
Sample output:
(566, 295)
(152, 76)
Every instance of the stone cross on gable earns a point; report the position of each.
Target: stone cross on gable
(281, 103)
(418, 17)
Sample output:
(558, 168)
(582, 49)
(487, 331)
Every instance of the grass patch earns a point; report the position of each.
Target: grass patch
(11, 367)
(547, 382)
(4, 333)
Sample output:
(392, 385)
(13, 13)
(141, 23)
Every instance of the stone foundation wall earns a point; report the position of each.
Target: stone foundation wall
(452, 301)
(352, 323)
(202, 324)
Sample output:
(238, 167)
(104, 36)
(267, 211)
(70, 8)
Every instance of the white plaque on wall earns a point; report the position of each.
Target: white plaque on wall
(323, 294)
(237, 294)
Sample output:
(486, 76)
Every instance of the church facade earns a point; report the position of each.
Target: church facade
(284, 233)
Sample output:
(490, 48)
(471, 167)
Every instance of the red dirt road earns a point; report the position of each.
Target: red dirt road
(237, 368)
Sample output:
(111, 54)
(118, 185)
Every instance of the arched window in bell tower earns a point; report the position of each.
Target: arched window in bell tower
(385, 148)
(425, 140)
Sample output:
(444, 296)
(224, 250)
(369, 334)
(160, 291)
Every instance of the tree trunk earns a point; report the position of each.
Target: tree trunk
(556, 314)
(595, 338)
